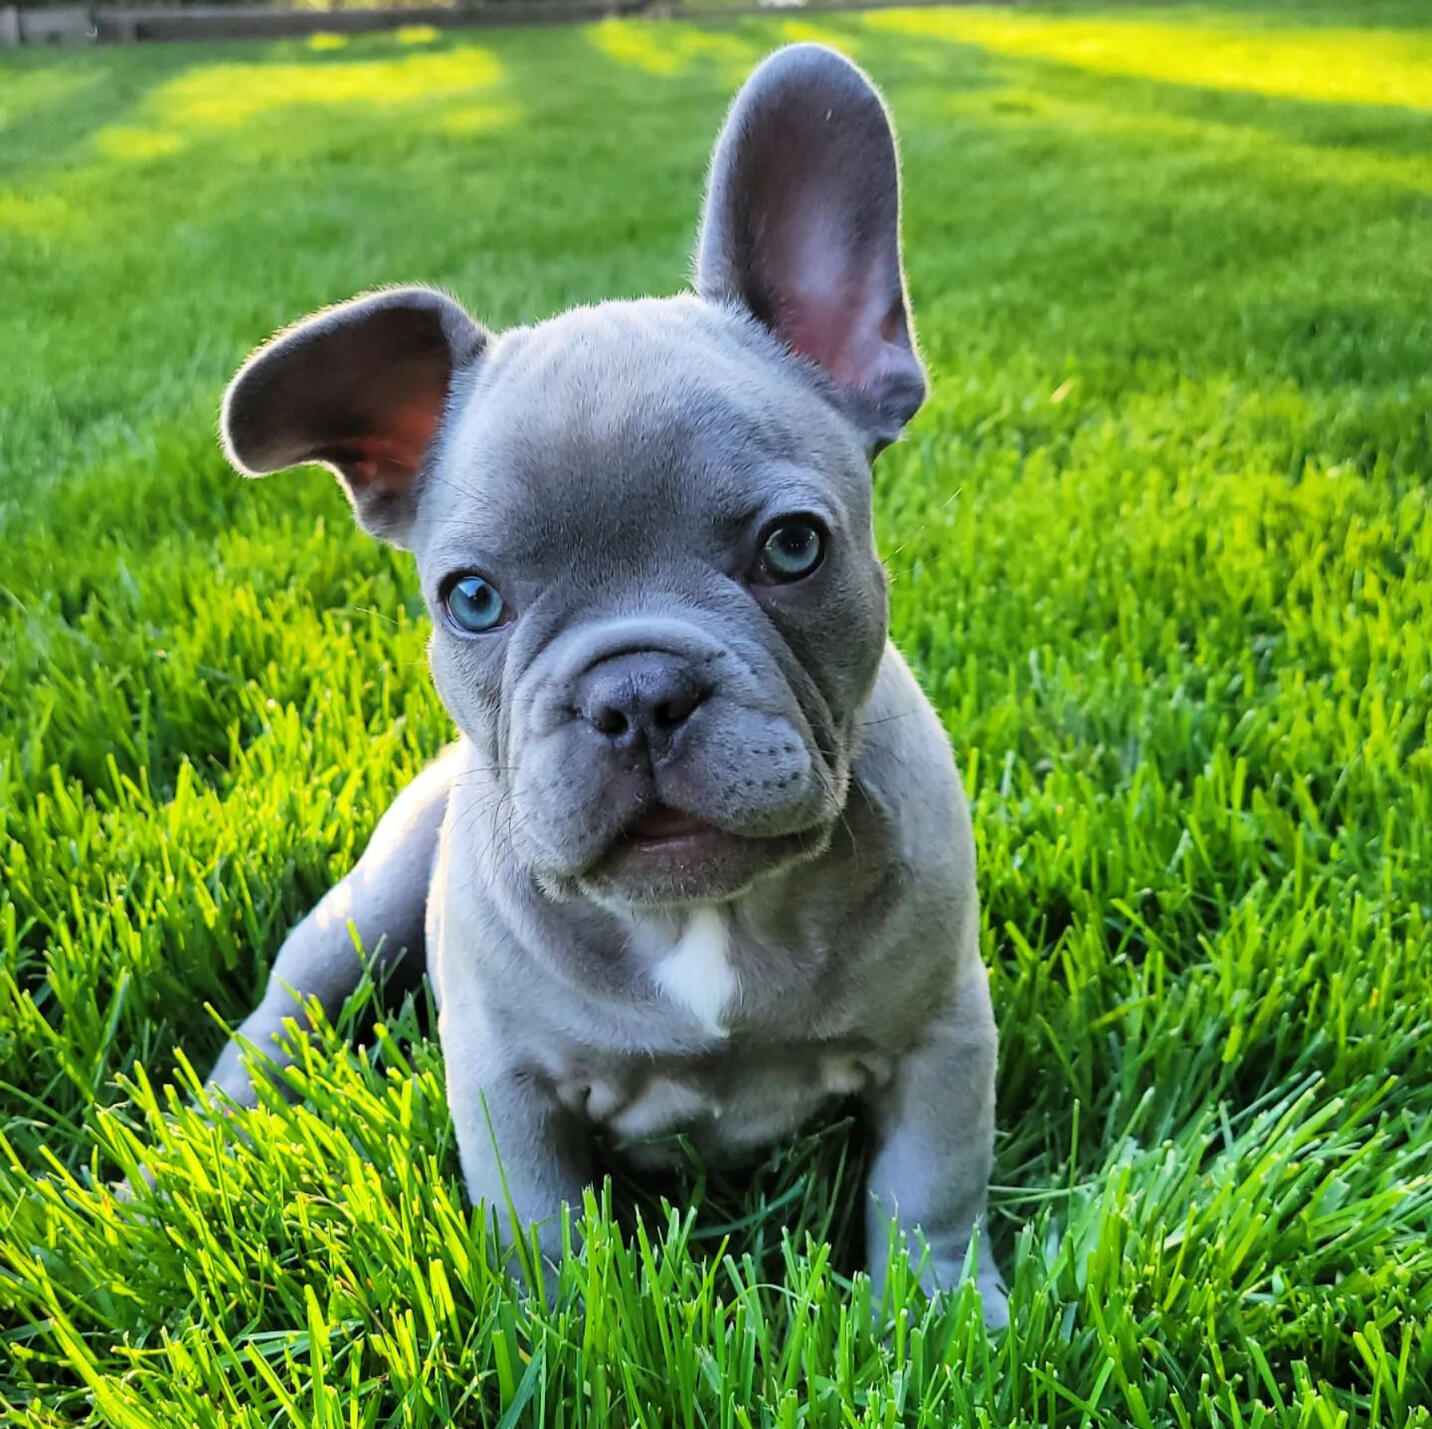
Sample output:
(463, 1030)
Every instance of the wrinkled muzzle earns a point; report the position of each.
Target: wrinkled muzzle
(653, 762)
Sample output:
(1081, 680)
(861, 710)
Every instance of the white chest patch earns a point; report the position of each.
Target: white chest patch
(697, 973)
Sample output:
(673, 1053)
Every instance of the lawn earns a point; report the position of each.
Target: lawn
(1160, 551)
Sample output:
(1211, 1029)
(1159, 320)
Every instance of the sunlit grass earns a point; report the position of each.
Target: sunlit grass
(667, 50)
(1160, 550)
(1339, 64)
(227, 96)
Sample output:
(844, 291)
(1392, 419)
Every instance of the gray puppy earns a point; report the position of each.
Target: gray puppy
(700, 861)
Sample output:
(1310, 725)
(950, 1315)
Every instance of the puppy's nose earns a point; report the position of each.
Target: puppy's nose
(643, 695)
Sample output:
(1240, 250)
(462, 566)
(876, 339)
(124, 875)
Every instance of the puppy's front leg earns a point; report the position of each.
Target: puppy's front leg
(384, 899)
(934, 1144)
(523, 1153)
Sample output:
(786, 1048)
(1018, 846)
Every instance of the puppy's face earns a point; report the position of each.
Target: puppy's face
(657, 607)
(643, 529)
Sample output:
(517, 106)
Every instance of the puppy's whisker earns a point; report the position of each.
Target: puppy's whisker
(886, 719)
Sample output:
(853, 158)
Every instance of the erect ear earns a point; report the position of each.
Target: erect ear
(802, 228)
(360, 387)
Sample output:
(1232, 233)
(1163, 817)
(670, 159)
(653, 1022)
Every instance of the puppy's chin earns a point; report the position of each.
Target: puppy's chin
(692, 863)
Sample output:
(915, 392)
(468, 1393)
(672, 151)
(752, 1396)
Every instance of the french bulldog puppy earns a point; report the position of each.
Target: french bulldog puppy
(699, 862)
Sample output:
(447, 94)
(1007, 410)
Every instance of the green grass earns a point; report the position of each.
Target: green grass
(1161, 553)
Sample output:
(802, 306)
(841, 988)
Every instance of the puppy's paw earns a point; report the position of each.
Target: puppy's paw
(127, 1192)
(948, 1280)
(543, 1295)
(944, 1279)
(993, 1299)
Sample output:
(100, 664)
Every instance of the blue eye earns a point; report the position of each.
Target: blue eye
(474, 605)
(792, 550)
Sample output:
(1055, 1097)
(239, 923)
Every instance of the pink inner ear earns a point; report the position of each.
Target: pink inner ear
(389, 460)
(836, 311)
(847, 329)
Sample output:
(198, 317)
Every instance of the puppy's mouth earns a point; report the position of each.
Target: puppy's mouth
(663, 851)
(664, 855)
(662, 829)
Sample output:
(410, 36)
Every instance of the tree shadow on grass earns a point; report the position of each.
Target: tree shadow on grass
(228, 190)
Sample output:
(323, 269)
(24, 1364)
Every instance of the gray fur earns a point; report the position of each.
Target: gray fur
(611, 472)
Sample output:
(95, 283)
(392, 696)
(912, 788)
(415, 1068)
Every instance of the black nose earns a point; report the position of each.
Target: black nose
(644, 694)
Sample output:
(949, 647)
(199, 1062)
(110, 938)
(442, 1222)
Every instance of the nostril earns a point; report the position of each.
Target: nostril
(676, 708)
(671, 712)
(608, 720)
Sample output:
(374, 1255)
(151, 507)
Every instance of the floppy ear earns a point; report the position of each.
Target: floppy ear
(360, 388)
(802, 228)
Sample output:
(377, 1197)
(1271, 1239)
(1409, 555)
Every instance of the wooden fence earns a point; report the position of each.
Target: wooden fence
(91, 24)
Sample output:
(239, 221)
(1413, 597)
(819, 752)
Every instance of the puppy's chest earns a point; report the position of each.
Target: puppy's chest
(742, 1086)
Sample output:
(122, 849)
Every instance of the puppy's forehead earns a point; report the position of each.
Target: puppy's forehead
(615, 418)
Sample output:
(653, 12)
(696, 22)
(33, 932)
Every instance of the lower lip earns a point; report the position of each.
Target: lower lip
(699, 862)
(686, 839)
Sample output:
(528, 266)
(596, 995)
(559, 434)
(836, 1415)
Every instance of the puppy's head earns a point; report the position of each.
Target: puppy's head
(643, 529)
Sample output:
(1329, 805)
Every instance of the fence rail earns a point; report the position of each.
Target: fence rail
(102, 24)
(90, 24)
